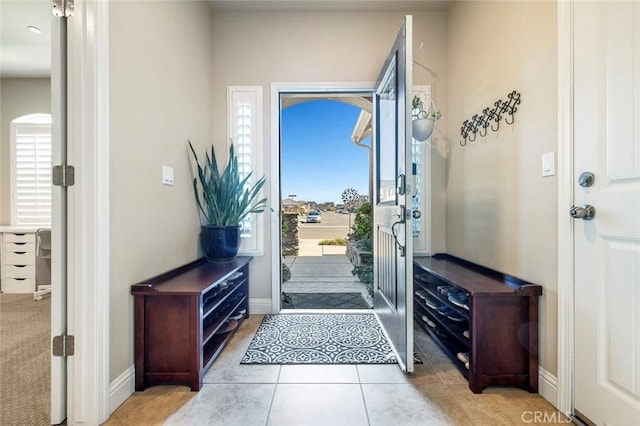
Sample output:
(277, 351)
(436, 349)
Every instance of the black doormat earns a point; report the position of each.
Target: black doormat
(323, 301)
(320, 339)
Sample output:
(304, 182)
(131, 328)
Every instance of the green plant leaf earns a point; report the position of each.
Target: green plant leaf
(227, 199)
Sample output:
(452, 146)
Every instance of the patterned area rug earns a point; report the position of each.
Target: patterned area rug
(320, 339)
(323, 301)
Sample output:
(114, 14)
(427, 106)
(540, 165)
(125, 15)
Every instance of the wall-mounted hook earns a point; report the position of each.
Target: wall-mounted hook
(514, 99)
(504, 107)
(463, 130)
(472, 137)
(484, 122)
(470, 130)
(475, 122)
(490, 117)
(495, 114)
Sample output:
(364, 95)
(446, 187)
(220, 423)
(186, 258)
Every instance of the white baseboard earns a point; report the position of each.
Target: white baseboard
(259, 306)
(548, 386)
(122, 388)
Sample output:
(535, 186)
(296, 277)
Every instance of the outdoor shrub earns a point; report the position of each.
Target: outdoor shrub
(364, 273)
(335, 242)
(361, 227)
(366, 243)
(286, 273)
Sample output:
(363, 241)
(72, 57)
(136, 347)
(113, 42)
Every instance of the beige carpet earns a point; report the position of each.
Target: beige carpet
(25, 371)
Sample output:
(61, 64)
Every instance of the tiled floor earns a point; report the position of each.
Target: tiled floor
(334, 395)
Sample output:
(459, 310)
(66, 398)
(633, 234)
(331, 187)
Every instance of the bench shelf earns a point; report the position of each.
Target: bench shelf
(498, 331)
(185, 317)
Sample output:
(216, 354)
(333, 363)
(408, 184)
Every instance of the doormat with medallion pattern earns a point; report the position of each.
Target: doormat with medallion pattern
(320, 339)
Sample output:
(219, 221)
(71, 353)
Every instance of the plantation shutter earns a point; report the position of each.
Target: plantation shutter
(31, 189)
(244, 129)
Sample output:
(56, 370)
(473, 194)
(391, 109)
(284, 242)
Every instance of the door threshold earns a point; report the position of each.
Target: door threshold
(326, 311)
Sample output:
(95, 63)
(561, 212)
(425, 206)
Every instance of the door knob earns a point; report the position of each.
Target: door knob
(586, 212)
(416, 214)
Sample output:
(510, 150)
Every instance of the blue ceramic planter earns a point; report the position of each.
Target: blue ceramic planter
(220, 243)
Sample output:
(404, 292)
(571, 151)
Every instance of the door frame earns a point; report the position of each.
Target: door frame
(277, 89)
(566, 282)
(58, 389)
(88, 248)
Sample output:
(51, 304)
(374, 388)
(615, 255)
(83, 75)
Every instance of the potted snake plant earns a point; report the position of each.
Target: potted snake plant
(224, 200)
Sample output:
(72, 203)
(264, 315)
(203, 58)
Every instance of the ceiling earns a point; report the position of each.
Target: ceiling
(329, 5)
(25, 54)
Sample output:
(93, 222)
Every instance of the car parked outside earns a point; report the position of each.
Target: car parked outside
(314, 216)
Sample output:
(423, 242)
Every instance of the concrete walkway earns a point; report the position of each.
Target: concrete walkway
(322, 269)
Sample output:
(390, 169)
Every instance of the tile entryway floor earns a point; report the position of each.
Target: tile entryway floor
(332, 395)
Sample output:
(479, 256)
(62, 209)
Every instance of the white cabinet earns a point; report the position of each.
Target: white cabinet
(18, 260)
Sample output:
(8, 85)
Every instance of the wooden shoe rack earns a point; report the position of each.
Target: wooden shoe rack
(185, 317)
(501, 322)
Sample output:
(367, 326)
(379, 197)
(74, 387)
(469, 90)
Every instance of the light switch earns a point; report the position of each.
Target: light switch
(549, 164)
(167, 175)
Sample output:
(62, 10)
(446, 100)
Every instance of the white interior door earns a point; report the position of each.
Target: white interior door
(392, 238)
(58, 217)
(607, 248)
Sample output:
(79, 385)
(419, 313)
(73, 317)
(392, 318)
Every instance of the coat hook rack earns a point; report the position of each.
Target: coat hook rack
(490, 117)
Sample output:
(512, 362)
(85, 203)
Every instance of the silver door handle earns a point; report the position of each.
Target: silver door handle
(393, 229)
(586, 212)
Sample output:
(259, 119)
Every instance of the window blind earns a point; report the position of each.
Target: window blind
(32, 175)
(244, 110)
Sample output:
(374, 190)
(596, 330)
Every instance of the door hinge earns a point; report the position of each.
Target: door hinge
(63, 175)
(62, 8)
(63, 345)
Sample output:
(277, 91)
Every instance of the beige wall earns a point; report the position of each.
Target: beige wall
(160, 96)
(501, 212)
(18, 97)
(258, 48)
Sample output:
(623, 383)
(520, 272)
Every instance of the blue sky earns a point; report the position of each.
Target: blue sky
(319, 161)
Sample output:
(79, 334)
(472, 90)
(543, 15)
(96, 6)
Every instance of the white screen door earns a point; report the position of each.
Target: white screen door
(58, 217)
(607, 247)
(392, 238)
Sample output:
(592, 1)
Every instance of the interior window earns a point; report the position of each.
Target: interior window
(244, 127)
(31, 170)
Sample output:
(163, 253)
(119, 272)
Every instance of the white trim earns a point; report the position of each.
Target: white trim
(276, 89)
(88, 201)
(548, 386)
(259, 306)
(59, 306)
(274, 216)
(122, 388)
(565, 379)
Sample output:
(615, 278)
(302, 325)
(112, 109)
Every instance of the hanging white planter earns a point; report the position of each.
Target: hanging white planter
(424, 122)
(422, 128)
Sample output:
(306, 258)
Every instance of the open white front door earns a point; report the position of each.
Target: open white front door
(392, 239)
(606, 213)
(59, 216)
